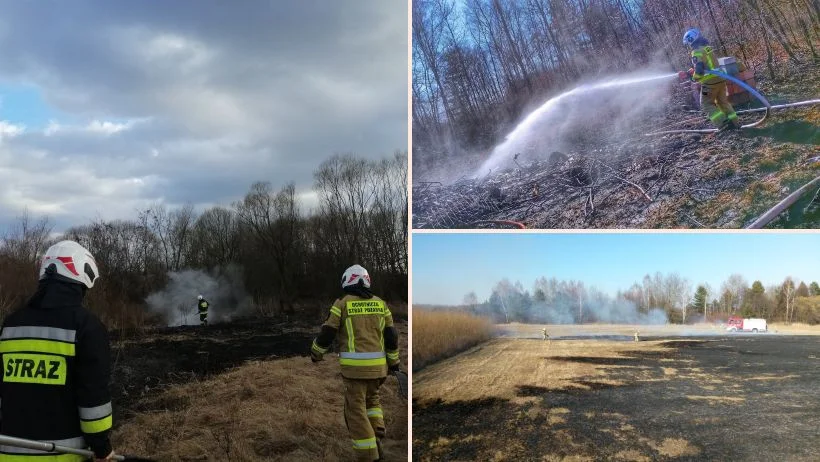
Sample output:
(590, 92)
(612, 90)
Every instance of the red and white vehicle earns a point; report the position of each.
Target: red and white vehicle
(737, 324)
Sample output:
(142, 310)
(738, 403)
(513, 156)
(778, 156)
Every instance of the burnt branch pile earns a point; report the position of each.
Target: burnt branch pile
(675, 181)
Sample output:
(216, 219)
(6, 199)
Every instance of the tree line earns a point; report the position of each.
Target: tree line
(477, 64)
(291, 259)
(657, 298)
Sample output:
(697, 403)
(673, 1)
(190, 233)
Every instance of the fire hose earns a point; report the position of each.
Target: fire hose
(57, 449)
(517, 224)
(770, 215)
(401, 378)
(768, 107)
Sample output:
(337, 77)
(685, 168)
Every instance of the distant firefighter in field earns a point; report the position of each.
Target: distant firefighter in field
(368, 348)
(203, 311)
(544, 333)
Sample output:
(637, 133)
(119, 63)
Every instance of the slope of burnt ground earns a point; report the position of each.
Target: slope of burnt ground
(731, 398)
(675, 180)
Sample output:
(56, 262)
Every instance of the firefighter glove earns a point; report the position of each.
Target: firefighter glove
(110, 456)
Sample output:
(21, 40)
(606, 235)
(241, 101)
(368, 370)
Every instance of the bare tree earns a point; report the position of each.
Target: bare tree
(736, 286)
(789, 294)
(25, 240)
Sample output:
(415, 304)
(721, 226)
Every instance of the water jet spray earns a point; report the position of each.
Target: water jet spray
(514, 142)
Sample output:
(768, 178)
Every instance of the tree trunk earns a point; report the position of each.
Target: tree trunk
(715, 25)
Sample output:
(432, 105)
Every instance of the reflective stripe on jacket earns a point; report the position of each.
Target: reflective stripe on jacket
(360, 324)
(56, 363)
(703, 59)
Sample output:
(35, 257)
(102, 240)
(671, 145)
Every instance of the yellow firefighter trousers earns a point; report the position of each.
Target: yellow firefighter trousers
(715, 103)
(364, 416)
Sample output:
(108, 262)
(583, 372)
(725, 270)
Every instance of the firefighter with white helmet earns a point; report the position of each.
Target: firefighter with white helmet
(203, 310)
(57, 363)
(368, 348)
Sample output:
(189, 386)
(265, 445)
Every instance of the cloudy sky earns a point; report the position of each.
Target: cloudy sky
(106, 107)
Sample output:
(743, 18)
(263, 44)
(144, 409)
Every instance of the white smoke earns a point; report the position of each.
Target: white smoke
(223, 288)
(605, 109)
(566, 302)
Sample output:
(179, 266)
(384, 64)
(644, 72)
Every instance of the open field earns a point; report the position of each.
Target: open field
(721, 397)
(243, 391)
(703, 329)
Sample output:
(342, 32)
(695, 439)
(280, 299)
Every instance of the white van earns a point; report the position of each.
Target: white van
(747, 325)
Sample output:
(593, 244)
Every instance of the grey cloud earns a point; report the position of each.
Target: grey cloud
(233, 92)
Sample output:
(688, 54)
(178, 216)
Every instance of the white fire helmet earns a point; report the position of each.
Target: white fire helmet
(200, 297)
(72, 261)
(353, 275)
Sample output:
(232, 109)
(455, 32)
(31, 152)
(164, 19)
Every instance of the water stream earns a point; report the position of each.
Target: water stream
(549, 115)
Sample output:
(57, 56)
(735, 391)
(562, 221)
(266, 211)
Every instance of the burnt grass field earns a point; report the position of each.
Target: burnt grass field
(740, 397)
(146, 362)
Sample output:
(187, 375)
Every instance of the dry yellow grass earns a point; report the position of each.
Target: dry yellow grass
(439, 334)
(795, 328)
(559, 330)
(500, 367)
(718, 399)
(701, 329)
(287, 409)
(676, 447)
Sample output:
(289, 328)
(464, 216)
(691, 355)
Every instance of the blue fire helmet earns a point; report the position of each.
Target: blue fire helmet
(690, 36)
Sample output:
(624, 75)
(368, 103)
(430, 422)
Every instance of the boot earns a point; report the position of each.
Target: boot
(727, 127)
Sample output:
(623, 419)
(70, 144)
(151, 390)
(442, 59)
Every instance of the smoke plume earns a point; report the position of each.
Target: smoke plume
(565, 302)
(222, 288)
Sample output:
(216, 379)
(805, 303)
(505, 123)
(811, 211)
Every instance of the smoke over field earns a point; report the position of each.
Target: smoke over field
(569, 302)
(605, 311)
(222, 288)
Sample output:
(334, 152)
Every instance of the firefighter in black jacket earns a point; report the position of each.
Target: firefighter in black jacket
(57, 363)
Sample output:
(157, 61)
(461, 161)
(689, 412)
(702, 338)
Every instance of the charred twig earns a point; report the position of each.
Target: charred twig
(667, 160)
(425, 185)
(695, 221)
(614, 174)
(589, 203)
(515, 159)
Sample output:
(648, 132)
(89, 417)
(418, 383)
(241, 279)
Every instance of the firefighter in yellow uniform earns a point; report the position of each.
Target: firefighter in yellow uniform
(714, 100)
(368, 349)
(202, 305)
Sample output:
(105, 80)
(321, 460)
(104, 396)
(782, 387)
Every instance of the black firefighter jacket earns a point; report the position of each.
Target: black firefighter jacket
(56, 369)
